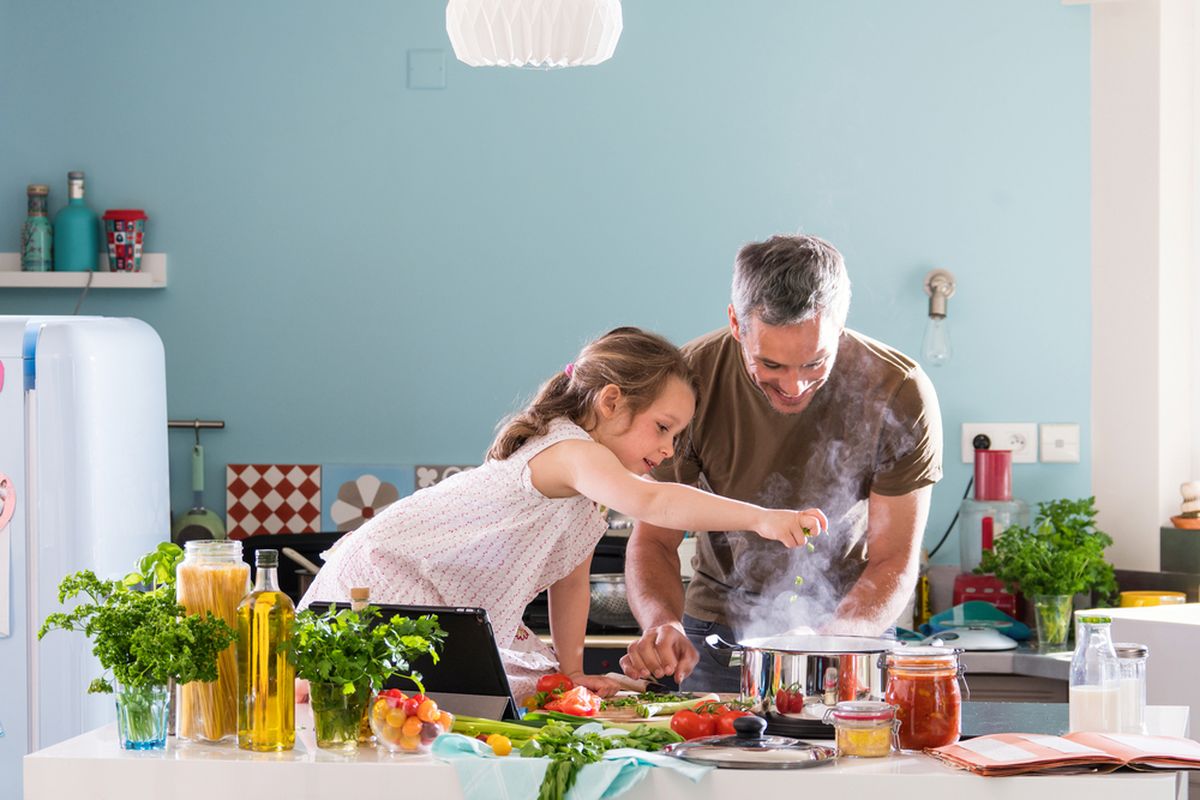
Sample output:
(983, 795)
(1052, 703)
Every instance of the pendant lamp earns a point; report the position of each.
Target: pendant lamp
(542, 34)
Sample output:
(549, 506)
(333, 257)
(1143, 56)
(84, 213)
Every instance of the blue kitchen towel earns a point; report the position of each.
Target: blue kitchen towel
(485, 776)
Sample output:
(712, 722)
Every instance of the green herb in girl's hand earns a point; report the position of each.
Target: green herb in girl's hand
(350, 649)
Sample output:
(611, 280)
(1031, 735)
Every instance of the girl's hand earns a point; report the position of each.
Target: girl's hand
(792, 528)
(605, 687)
(301, 690)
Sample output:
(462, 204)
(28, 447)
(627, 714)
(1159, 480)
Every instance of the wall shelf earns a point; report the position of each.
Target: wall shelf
(152, 276)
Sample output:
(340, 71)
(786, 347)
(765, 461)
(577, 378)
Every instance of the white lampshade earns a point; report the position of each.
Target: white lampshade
(533, 33)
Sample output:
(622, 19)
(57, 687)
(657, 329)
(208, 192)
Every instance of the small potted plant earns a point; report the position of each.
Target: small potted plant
(144, 639)
(1059, 556)
(345, 655)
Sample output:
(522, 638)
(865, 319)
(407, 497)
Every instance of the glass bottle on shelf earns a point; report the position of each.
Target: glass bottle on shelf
(211, 578)
(37, 235)
(76, 231)
(1095, 678)
(267, 706)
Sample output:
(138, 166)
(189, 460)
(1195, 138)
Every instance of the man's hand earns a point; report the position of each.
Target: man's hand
(792, 528)
(661, 650)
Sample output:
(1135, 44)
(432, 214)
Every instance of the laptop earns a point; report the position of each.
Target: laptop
(469, 675)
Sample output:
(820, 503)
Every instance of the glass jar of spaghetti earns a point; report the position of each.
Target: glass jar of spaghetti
(922, 683)
(211, 578)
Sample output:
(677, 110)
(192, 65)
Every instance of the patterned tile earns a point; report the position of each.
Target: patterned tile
(429, 474)
(356, 492)
(272, 498)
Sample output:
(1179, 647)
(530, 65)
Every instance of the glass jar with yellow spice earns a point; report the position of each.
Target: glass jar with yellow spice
(212, 578)
(864, 729)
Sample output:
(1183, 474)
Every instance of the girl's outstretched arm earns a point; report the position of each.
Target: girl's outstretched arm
(569, 601)
(589, 468)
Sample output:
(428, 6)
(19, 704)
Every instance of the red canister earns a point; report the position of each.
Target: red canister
(993, 474)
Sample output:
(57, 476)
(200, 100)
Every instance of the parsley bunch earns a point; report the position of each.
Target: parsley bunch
(350, 649)
(1061, 554)
(144, 638)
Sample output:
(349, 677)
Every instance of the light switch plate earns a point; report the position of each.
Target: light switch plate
(426, 69)
(1060, 443)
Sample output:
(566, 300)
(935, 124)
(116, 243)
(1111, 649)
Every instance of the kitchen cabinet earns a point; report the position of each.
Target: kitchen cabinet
(152, 276)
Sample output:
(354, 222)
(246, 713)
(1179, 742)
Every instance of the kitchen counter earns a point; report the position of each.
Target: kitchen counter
(91, 766)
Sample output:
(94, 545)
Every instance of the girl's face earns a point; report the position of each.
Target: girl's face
(644, 440)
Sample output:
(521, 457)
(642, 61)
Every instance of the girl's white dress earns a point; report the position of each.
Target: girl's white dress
(484, 538)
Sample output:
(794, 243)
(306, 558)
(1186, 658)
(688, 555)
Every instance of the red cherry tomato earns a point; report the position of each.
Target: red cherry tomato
(555, 682)
(691, 725)
(410, 706)
(725, 722)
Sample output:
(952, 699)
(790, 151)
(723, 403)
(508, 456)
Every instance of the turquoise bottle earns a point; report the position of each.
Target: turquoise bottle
(37, 239)
(76, 231)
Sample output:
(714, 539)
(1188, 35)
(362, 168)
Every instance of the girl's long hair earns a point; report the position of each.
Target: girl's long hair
(638, 362)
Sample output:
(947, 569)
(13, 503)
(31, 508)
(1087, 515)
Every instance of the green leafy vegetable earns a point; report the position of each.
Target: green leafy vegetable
(144, 638)
(570, 749)
(348, 648)
(630, 700)
(156, 568)
(1061, 554)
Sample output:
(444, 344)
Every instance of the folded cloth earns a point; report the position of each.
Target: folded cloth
(486, 776)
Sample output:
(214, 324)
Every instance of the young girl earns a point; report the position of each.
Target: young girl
(530, 516)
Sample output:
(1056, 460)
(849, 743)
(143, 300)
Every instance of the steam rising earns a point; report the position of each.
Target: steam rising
(764, 598)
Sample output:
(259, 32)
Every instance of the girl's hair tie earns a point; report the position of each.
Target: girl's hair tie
(569, 369)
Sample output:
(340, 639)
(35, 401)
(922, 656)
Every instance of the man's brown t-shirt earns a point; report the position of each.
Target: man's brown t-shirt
(873, 427)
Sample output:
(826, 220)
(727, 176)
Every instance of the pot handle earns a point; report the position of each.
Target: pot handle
(714, 641)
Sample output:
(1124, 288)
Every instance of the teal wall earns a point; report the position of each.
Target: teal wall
(360, 272)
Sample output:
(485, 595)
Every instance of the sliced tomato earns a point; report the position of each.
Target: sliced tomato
(578, 700)
(555, 682)
(690, 725)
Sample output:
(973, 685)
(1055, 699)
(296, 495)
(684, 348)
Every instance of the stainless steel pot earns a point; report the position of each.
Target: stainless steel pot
(824, 670)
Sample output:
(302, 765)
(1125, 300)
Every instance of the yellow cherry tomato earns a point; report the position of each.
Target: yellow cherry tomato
(395, 717)
(500, 744)
(412, 727)
(410, 743)
(445, 721)
(428, 711)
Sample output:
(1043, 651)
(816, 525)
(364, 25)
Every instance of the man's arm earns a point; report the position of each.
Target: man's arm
(655, 594)
(894, 529)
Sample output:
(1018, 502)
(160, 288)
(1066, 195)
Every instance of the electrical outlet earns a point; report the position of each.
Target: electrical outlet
(1020, 437)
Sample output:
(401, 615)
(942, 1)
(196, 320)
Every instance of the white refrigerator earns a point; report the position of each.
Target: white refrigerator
(83, 485)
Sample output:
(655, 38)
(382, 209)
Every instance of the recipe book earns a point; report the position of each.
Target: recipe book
(1000, 754)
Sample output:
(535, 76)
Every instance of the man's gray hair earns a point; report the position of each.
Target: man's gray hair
(790, 279)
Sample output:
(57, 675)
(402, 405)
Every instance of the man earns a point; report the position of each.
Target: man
(795, 410)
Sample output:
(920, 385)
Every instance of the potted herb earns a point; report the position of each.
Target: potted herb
(345, 655)
(1059, 556)
(144, 638)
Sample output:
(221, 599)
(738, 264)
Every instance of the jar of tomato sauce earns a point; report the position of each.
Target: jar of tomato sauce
(922, 683)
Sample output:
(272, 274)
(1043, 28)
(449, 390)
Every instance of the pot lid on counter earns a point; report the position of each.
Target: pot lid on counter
(750, 749)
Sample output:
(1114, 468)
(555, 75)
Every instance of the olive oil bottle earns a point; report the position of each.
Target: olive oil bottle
(266, 679)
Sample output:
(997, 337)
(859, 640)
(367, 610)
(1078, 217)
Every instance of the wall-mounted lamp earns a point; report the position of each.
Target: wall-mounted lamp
(936, 349)
(541, 34)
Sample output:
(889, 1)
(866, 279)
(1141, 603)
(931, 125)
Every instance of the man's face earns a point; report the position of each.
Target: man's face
(788, 363)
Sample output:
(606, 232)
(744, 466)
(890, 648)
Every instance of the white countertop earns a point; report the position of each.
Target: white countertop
(92, 766)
